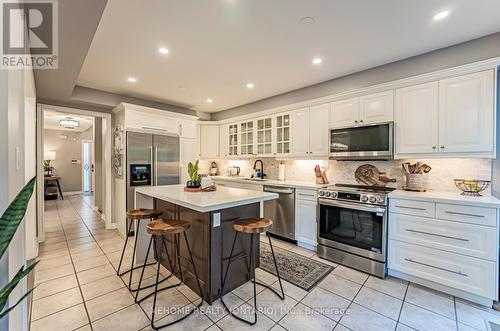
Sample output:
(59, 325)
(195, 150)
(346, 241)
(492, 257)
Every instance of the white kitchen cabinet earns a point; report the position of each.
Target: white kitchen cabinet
(224, 140)
(451, 247)
(187, 129)
(416, 119)
(466, 113)
(376, 108)
(209, 141)
(344, 113)
(233, 138)
(310, 131)
(305, 218)
(300, 132)
(318, 130)
(188, 153)
(453, 117)
(247, 138)
(283, 135)
(265, 137)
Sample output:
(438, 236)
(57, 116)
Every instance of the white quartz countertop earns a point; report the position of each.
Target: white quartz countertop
(273, 182)
(224, 197)
(448, 197)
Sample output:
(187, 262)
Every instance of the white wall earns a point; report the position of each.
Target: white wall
(15, 86)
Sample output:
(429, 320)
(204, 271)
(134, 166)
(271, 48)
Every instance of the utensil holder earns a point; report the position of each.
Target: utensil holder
(414, 181)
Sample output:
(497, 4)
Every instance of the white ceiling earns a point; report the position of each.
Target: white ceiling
(51, 121)
(217, 46)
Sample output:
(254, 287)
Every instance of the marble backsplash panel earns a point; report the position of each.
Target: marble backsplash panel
(440, 178)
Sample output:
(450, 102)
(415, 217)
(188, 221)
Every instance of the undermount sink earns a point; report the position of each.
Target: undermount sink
(256, 179)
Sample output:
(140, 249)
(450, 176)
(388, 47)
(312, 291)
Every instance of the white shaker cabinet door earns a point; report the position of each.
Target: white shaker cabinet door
(376, 108)
(224, 140)
(466, 113)
(344, 113)
(300, 132)
(318, 130)
(209, 138)
(305, 221)
(416, 119)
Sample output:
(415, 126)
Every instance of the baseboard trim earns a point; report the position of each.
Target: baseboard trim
(72, 192)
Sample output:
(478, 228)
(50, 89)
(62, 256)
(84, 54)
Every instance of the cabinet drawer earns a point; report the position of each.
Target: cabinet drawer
(467, 214)
(468, 239)
(411, 207)
(461, 272)
(310, 195)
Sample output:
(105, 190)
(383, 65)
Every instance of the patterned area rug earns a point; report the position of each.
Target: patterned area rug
(295, 268)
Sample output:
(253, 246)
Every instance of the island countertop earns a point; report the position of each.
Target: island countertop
(223, 197)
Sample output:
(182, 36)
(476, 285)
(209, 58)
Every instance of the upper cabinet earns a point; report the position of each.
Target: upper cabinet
(466, 113)
(232, 134)
(368, 109)
(283, 135)
(310, 131)
(209, 141)
(265, 136)
(450, 117)
(247, 133)
(416, 119)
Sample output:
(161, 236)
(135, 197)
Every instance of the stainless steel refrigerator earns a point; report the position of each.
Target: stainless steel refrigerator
(152, 159)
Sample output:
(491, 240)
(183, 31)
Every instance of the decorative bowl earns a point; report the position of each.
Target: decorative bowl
(471, 186)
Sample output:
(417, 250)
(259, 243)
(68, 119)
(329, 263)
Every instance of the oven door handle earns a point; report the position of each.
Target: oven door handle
(349, 205)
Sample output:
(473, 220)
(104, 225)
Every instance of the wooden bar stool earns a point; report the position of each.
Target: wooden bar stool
(139, 215)
(158, 229)
(253, 227)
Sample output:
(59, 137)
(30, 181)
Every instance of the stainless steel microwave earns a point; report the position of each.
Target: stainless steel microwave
(368, 142)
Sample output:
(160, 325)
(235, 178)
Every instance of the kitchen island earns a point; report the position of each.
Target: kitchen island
(211, 215)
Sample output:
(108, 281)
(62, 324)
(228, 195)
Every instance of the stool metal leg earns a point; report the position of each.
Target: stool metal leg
(227, 270)
(156, 327)
(282, 295)
(123, 252)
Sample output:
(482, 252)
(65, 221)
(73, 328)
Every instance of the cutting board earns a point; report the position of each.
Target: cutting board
(368, 174)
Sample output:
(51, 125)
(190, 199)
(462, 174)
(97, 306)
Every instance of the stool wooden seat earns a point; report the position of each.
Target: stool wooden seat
(252, 225)
(163, 227)
(143, 213)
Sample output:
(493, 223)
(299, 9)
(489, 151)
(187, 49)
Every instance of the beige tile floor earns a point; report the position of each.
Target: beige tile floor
(78, 290)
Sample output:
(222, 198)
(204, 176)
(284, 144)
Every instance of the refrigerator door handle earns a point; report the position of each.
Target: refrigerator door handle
(156, 167)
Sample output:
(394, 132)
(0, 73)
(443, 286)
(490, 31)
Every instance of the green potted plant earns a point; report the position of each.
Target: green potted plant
(9, 222)
(47, 167)
(194, 181)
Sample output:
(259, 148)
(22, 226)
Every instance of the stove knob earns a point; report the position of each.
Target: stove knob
(321, 193)
(334, 194)
(364, 198)
(327, 194)
(372, 199)
(380, 200)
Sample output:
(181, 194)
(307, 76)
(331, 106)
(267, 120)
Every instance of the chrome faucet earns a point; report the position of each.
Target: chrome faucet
(259, 172)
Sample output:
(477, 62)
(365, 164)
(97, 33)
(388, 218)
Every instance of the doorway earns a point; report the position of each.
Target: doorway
(88, 178)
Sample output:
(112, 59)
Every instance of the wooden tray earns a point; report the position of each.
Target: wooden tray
(199, 189)
(418, 189)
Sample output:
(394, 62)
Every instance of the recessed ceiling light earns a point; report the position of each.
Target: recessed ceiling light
(317, 60)
(209, 100)
(441, 15)
(163, 50)
(132, 79)
(250, 85)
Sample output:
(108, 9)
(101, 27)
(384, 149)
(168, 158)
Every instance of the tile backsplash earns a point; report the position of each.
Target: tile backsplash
(440, 178)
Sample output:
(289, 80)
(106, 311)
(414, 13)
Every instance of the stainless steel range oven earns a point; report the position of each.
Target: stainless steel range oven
(352, 227)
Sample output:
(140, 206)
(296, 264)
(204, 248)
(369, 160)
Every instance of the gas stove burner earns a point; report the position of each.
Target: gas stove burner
(371, 195)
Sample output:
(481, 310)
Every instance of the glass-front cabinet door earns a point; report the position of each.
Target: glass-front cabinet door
(247, 132)
(233, 139)
(283, 134)
(264, 136)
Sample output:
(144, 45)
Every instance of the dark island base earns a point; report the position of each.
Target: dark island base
(211, 247)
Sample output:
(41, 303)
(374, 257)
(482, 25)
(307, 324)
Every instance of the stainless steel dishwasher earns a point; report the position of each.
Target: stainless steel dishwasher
(281, 211)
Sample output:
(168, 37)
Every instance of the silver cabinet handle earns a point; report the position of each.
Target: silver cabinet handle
(463, 214)
(442, 147)
(307, 195)
(180, 129)
(412, 208)
(435, 267)
(360, 121)
(437, 235)
(355, 121)
(156, 167)
(434, 147)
